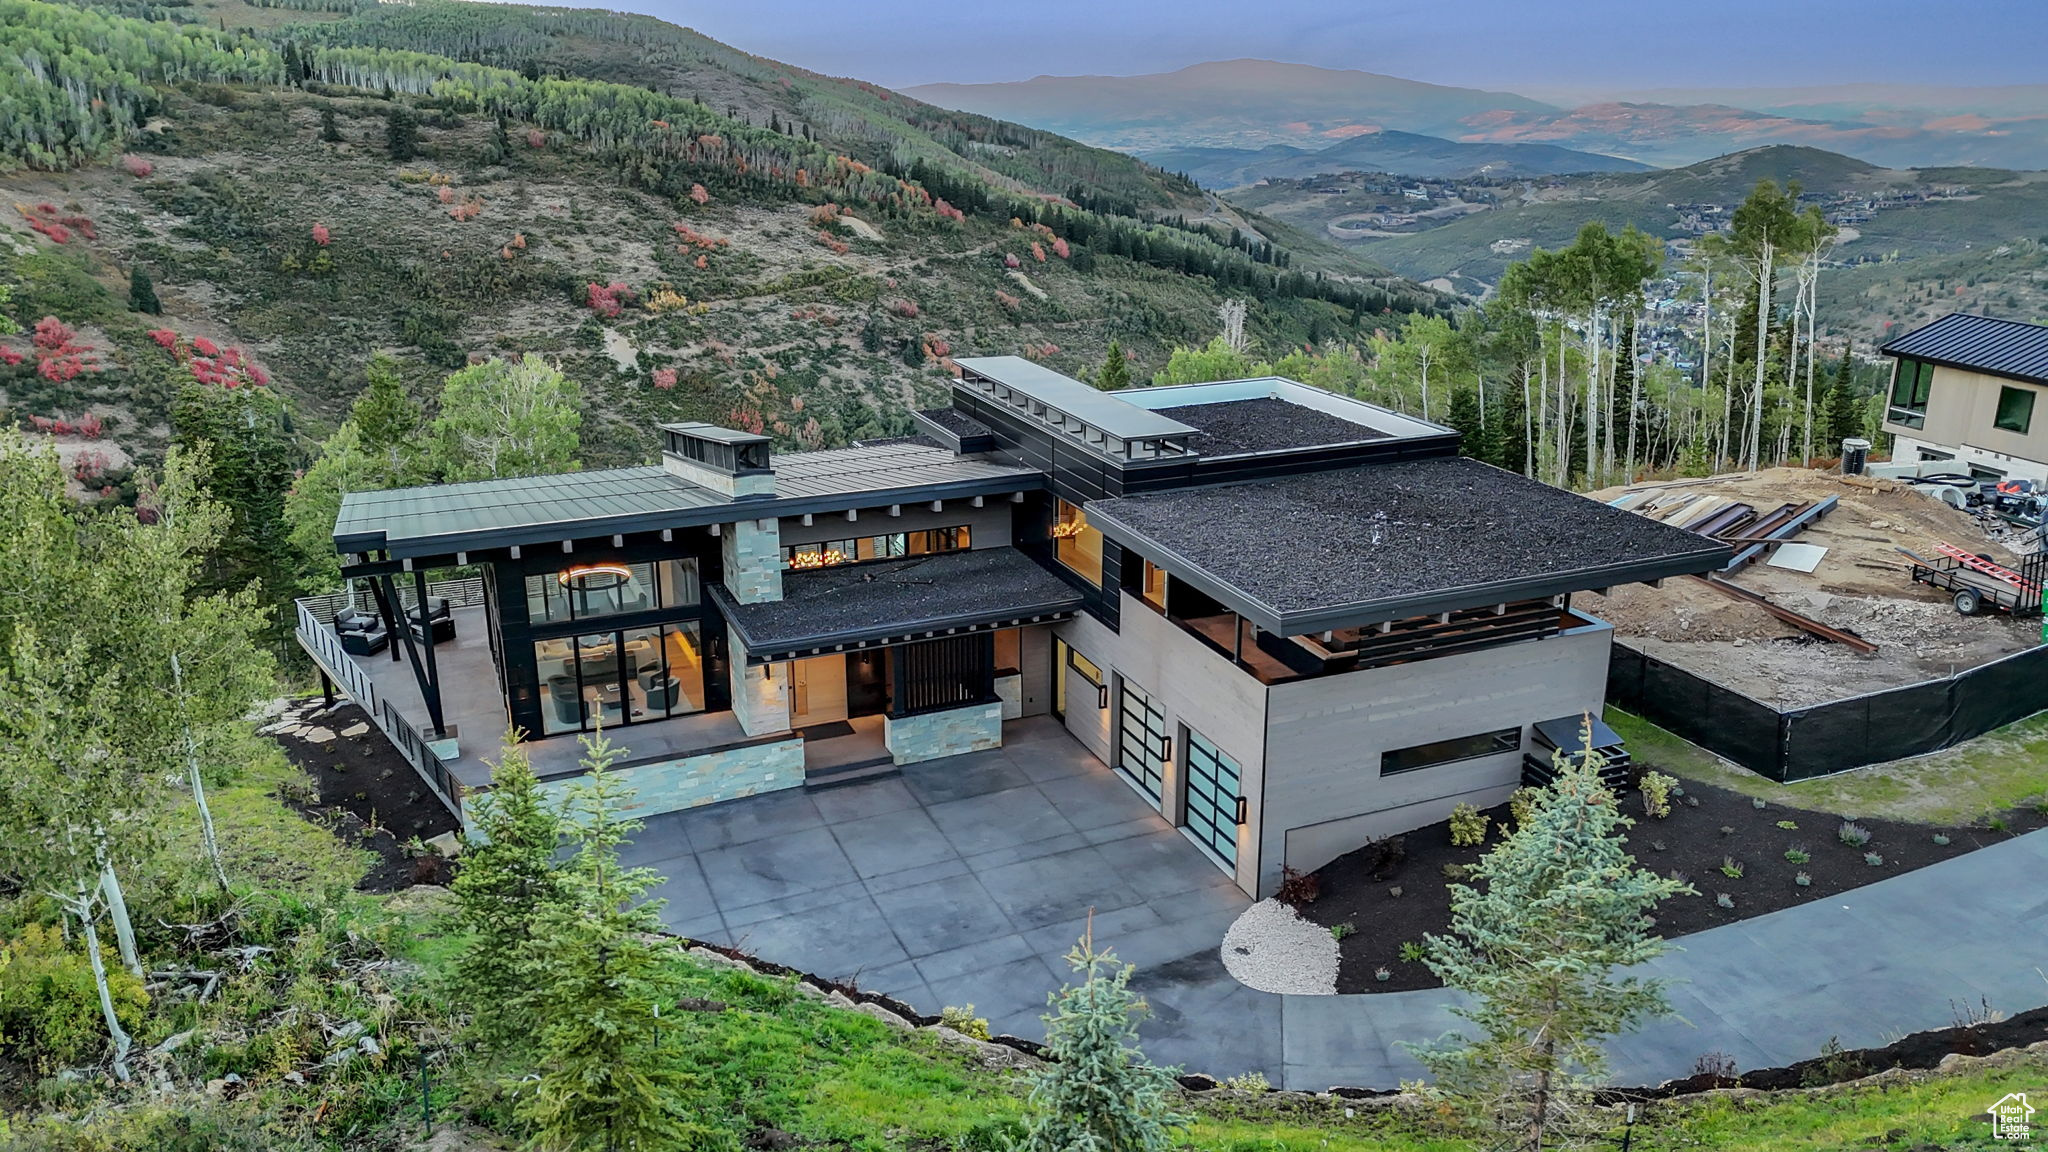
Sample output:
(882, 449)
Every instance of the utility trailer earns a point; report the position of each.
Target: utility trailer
(1977, 584)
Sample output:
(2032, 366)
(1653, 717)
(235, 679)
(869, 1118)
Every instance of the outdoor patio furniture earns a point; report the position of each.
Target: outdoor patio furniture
(438, 615)
(364, 642)
(361, 633)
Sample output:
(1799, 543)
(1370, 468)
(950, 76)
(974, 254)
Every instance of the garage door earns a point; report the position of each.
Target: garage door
(1142, 742)
(1212, 797)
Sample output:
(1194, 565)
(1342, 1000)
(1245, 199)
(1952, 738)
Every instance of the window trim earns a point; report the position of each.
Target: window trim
(2026, 417)
(1454, 750)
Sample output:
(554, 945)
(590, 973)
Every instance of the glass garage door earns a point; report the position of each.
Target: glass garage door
(1142, 742)
(1212, 797)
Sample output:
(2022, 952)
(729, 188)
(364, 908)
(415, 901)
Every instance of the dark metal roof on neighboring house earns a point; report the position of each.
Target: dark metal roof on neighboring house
(897, 601)
(2007, 348)
(1352, 546)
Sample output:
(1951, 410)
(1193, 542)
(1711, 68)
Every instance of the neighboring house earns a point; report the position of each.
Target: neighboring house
(1290, 620)
(1969, 389)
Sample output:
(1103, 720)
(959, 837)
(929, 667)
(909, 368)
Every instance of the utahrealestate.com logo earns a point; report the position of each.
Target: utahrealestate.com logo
(2012, 1118)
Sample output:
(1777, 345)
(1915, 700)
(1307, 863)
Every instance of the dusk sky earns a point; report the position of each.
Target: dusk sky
(1476, 43)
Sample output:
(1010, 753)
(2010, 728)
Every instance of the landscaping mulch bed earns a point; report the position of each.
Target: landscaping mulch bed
(1707, 827)
(366, 793)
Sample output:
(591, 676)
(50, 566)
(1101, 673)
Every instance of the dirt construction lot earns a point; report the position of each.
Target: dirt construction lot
(1862, 585)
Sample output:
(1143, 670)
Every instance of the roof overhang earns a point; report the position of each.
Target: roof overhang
(1711, 556)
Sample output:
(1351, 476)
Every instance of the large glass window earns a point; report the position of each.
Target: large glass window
(608, 588)
(1912, 383)
(887, 546)
(1077, 545)
(1448, 751)
(2015, 409)
(620, 677)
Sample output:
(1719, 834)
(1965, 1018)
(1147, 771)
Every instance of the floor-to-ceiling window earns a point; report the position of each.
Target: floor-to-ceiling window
(591, 674)
(1077, 545)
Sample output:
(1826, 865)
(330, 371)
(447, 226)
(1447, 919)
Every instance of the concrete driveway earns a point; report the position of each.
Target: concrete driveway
(966, 880)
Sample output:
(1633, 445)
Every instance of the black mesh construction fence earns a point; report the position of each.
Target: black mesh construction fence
(1841, 734)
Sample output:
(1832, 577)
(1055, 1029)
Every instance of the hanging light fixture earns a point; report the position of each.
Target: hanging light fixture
(581, 574)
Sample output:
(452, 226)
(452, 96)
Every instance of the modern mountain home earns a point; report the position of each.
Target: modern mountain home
(1289, 620)
(1969, 389)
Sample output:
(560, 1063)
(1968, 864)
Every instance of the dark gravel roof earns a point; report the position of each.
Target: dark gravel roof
(894, 597)
(1386, 541)
(1981, 344)
(1263, 425)
(957, 422)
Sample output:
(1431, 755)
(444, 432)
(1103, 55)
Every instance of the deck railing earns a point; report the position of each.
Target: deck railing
(467, 592)
(316, 636)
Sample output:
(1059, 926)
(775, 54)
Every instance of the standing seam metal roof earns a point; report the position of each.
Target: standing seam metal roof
(1981, 344)
(1103, 411)
(399, 514)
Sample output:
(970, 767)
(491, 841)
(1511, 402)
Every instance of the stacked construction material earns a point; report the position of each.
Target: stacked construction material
(1750, 529)
(1568, 734)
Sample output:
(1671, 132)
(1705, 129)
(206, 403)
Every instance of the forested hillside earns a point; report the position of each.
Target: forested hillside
(689, 231)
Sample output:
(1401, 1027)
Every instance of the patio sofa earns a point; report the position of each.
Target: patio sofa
(361, 633)
(437, 615)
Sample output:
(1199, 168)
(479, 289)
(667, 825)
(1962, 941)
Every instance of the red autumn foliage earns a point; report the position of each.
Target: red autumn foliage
(948, 211)
(697, 191)
(936, 347)
(535, 138)
(89, 467)
(904, 308)
(445, 194)
(691, 236)
(205, 347)
(1010, 260)
(44, 218)
(9, 356)
(91, 426)
(664, 378)
(59, 356)
(837, 247)
(1059, 247)
(165, 338)
(136, 166)
(320, 235)
(1007, 300)
(1038, 252)
(227, 367)
(607, 300)
(702, 262)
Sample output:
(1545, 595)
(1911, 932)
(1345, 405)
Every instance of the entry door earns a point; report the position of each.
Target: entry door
(1142, 742)
(1212, 796)
(817, 690)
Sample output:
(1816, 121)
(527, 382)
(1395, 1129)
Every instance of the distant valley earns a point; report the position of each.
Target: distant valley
(1407, 153)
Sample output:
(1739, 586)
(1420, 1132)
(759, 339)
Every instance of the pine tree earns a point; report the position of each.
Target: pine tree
(1116, 371)
(599, 979)
(330, 132)
(1099, 1092)
(871, 336)
(1842, 411)
(913, 352)
(1555, 911)
(1511, 430)
(1475, 439)
(390, 422)
(402, 133)
(142, 293)
(507, 884)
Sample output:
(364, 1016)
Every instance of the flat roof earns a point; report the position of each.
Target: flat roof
(1179, 398)
(1106, 412)
(897, 601)
(1979, 344)
(438, 519)
(1351, 546)
(1265, 424)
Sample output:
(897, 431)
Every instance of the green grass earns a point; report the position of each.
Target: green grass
(1960, 785)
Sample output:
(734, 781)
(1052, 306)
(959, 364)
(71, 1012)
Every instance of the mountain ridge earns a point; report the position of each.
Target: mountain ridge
(1300, 104)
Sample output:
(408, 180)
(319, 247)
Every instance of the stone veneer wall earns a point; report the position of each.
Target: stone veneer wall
(752, 550)
(707, 778)
(975, 728)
